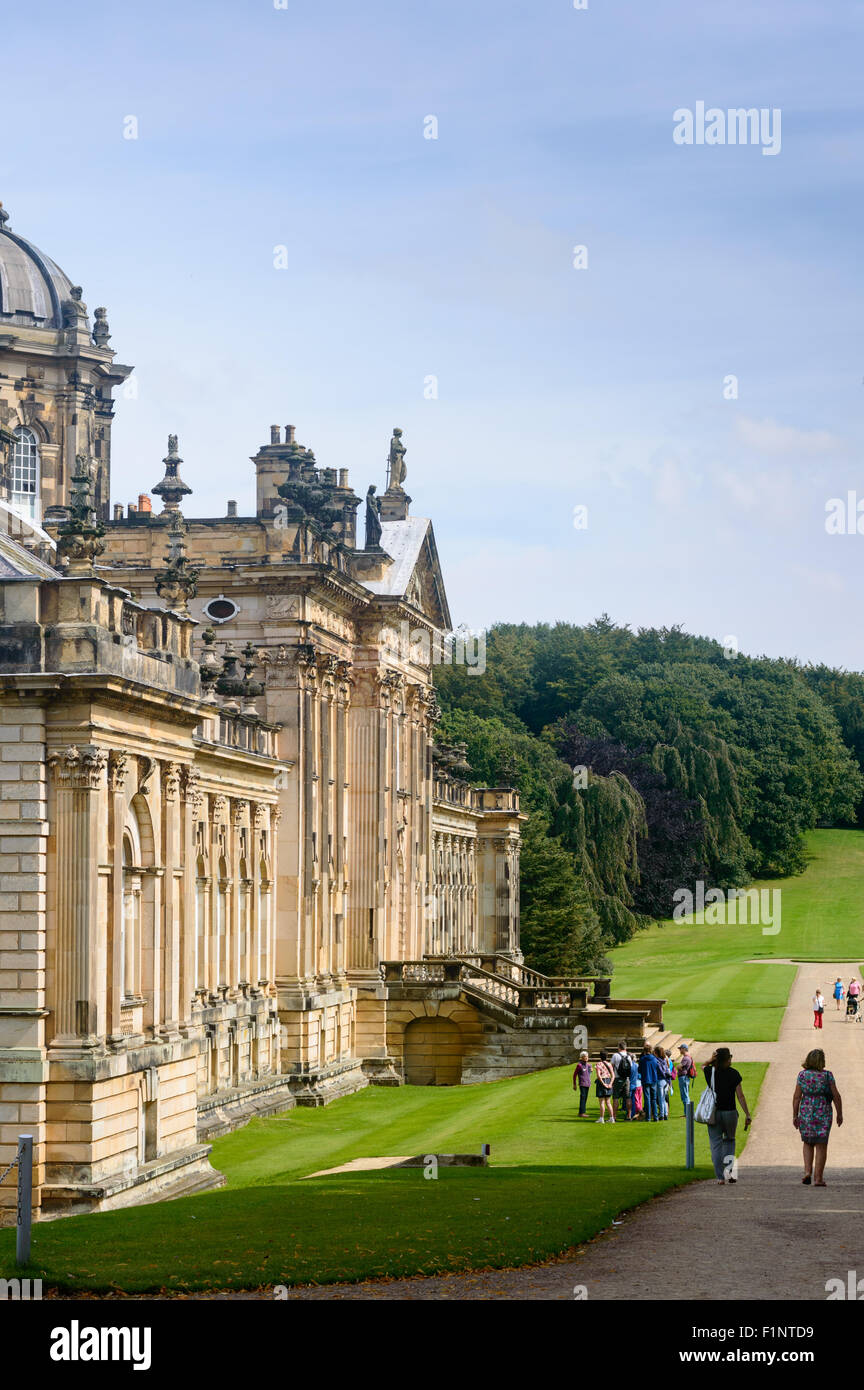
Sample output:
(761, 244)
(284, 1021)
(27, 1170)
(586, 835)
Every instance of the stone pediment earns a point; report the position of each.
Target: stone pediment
(415, 574)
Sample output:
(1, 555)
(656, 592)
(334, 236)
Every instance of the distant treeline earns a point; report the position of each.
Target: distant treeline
(647, 761)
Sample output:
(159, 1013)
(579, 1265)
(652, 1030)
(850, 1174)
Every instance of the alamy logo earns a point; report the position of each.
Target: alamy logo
(737, 126)
(758, 907)
(20, 1290)
(844, 516)
(852, 1288)
(434, 648)
(77, 1343)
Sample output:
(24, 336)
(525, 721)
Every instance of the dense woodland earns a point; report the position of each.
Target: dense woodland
(647, 761)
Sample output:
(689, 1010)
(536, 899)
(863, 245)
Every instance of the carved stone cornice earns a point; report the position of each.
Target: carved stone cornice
(79, 768)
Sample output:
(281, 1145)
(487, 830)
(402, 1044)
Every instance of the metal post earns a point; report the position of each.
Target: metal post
(690, 1127)
(25, 1198)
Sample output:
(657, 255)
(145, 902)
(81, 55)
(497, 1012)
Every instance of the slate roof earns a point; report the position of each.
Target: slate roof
(17, 562)
(403, 541)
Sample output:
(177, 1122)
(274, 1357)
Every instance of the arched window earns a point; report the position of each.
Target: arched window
(24, 474)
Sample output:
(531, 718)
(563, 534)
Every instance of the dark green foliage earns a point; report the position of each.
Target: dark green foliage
(701, 765)
(561, 932)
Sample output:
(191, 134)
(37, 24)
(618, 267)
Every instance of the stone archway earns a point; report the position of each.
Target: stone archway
(433, 1052)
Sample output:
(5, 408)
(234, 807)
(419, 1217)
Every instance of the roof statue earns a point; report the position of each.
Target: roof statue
(373, 520)
(396, 469)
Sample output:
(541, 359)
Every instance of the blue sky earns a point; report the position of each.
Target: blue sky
(408, 258)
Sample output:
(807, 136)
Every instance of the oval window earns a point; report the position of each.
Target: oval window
(221, 609)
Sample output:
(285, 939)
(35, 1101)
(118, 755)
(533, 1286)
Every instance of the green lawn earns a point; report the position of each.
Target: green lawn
(713, 993)
(554, 1181)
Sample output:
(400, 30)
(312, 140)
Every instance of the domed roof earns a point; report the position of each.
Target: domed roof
(32, 287)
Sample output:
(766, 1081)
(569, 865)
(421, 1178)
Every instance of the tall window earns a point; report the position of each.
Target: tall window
(223, 973)
(24, 474)
(201, 882)
(130, 944)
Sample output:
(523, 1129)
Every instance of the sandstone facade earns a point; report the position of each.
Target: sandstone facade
(222, 807)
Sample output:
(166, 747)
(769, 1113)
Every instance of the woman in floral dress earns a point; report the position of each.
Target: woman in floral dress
(814, 1096)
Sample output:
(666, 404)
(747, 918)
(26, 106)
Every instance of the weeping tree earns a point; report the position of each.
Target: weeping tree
(600, 821)
(586, 833)
(561, 929)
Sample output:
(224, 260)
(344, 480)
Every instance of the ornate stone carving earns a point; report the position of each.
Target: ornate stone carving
(282, 606)
(101, 331)
(171, 488)
(218, 808)
(80, 768)
(178, 581)
(79, 539)
(192, 793)
(171, 780)
(118, 766)
(261, 817)
(240, 813)
(146, 768)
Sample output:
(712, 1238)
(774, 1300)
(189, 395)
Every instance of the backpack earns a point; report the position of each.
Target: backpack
(625, 1070)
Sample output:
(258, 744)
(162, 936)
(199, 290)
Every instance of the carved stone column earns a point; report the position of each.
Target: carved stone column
(79, 775)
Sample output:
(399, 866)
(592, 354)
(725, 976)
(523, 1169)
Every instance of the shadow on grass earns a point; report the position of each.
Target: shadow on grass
(346, 1227)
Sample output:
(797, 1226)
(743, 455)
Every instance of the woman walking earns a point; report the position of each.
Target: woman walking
(725, 1082)
(603, 1089)
(818, 1007)
(815, 1093)
(839, 993)
(582, 1082)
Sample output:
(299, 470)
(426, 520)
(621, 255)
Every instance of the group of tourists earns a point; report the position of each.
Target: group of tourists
(634, 1088)
(852, 995)
(642, 1088)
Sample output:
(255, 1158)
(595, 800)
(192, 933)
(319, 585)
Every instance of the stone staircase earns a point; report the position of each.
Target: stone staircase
(671, 1041)
(529, 1021)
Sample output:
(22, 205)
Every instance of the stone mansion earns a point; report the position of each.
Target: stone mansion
(237, 871)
